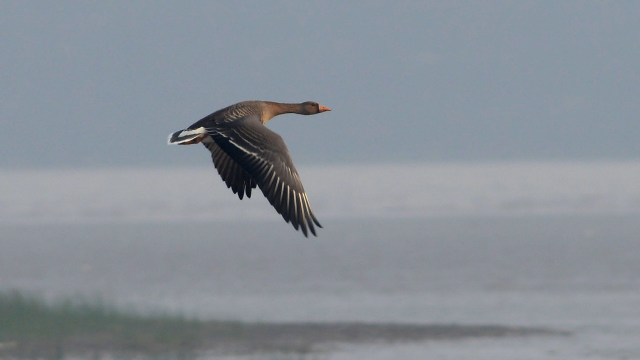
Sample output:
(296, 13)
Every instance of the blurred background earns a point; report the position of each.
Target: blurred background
(94, 85)
(480, 164)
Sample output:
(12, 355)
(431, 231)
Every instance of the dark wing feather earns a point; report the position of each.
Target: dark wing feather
(238, 180)
(264, 156)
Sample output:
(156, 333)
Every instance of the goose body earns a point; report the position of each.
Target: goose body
(247, 154)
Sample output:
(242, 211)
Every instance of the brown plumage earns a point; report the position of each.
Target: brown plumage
(247, 154)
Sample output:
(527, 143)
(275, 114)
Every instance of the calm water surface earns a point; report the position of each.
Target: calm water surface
(576, 273)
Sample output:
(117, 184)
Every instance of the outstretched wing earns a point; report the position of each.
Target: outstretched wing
(264, 156)
(238, 180)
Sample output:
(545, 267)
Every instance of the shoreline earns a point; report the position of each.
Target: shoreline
(193, 338)
(310, 337)
(33, 328)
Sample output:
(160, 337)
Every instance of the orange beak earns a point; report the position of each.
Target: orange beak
(323, 108)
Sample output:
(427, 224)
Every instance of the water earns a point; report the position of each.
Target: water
(571, 272)
(337, 192)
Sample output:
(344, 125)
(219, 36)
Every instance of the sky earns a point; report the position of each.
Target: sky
(89, 84)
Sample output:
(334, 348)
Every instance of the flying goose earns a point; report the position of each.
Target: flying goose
(247, 154)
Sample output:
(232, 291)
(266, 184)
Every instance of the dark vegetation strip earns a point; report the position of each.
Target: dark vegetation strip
(32, 328)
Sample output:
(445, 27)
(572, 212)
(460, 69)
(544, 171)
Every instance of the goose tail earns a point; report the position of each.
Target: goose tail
(187, 136)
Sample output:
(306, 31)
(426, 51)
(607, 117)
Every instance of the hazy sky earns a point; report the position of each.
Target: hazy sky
(96, 84)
